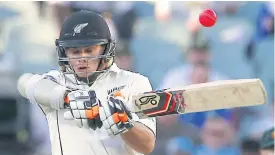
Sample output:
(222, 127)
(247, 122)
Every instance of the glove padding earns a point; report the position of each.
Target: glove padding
(84, 109)
(115, 116)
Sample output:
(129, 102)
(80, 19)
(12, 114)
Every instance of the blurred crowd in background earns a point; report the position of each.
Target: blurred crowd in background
(161, 40)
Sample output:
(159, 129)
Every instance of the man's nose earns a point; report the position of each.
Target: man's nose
(83, 53)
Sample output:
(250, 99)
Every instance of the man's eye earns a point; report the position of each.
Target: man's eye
(75, 52)
(89, 51)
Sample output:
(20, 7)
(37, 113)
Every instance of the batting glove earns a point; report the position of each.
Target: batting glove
(83, 108)
(115, 116)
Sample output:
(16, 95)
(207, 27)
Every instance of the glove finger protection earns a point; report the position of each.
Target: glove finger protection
(116, 118)
(83, 108)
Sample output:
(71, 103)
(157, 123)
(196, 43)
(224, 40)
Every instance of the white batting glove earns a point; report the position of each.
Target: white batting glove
(115, 116)
(83, 109)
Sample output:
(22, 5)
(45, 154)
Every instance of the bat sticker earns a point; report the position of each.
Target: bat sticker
(147, 102)
(146, 99)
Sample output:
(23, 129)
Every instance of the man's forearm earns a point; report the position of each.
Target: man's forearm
(41, 91)
(140, 138)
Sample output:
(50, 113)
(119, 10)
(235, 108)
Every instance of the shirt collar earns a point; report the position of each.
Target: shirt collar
(114, 68)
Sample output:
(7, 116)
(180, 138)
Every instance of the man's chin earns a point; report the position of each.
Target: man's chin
(83, 75)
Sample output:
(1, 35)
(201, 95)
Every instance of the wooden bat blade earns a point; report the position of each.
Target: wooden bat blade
(201, 97)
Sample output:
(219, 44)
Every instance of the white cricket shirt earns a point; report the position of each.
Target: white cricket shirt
(68, 139)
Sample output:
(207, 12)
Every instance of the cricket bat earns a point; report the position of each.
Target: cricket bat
(209, 96)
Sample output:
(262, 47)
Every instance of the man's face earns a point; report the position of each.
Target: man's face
(217, 133)
(198, 56)
(268, 24)
(199, 74)
(83, 60)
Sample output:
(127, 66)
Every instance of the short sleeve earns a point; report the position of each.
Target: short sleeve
(53, 75)
(142, 84)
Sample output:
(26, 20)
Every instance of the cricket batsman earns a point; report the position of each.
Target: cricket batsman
(87, 103)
